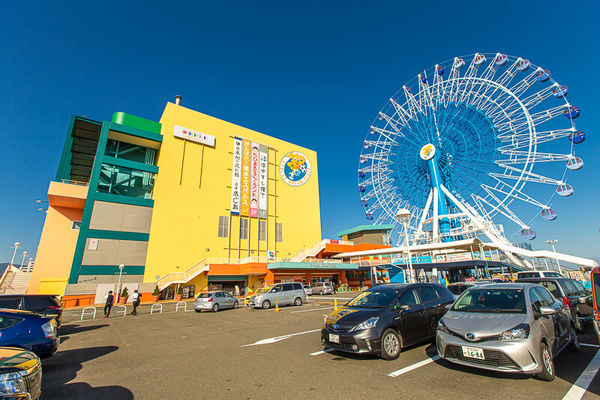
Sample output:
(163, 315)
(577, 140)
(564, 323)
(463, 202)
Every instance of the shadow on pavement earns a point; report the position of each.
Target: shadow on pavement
(71, 329)
(63, 367)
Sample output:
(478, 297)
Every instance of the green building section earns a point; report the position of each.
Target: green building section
(117, 160)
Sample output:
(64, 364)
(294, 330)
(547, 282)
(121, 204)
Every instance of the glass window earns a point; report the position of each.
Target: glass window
(374, 298)
(580, 289)
(204, 295)
(125, 181)
(130, 152)
(297, 286)
(277, 289)
(547, 297)
(596, 282)
(223, 227)
(288, 286)
(11, 302)
(553, 288)
(552, 275)
(7, 322)
(408, 298)
(442, 291)
(39, 302)
(243, 228)
(76, 225)
(427, 294)
(536, 299)
(491, 300)
(569, 287)
(262, 230)
(278, 232)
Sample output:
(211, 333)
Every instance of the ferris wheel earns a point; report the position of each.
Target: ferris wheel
(466, 141)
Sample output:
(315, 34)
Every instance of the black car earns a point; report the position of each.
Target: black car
(385, 318)
(572, 294)
(43, 304)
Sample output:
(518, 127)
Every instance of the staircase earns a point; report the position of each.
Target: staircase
(14, 281)
(315, 249)
(183, 277)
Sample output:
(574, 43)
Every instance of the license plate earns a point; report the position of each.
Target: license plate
(473, 352)
(334, 338)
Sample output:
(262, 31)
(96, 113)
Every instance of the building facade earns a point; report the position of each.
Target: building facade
(137, 201)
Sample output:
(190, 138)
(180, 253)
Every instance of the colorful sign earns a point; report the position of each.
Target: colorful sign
(245, 191)
(254, 161)
(294, 168)
(427, 152)
(270, 254)
(414, 260)
(193, 135)
(236, 176)
(263, 185)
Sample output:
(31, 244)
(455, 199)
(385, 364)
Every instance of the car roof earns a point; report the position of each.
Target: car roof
(543, 279)
(508, 285)
(18, 312)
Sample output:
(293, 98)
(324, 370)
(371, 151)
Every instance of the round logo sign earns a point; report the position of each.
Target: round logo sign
(294, 168)
(427, 152)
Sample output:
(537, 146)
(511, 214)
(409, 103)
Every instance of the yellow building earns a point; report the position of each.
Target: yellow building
(189, 201)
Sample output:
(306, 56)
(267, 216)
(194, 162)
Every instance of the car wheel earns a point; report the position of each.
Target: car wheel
(297, 301)
(198, 310)
(266, 304)
(236, 304)
(391, 344)
(215, 307)
(574, 345)
(547, 373)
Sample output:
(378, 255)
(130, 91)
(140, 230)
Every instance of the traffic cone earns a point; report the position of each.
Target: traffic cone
(276, 306)
(335, 307)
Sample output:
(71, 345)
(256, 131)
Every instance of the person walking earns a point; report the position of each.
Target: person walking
(110, 299)
(135, 297)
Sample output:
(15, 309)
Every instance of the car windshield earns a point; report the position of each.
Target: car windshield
(204, 295)
(491, 300)
(373, 299)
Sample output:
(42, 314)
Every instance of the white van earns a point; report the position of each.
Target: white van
(538, 274)
(278, 294)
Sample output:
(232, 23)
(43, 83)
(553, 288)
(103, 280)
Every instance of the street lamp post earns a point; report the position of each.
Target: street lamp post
(17, 244)
(23, 260)
(552, 243)
(403, 216)
(121, 266)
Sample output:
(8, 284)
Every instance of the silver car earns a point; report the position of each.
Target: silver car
(214, 301)
(322, 288)
(512, 327)
(279, 294)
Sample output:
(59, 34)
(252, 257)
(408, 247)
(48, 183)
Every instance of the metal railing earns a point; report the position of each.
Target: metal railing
(86, 309)
(179, 304)
(115, 311)
(72, 182)
(160, 308)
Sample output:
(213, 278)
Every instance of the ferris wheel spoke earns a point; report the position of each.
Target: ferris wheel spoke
(525, 175)
(524, 157)
(502, 209)
(521, 140)
(412, 103)
(402, 114)
(539, 96)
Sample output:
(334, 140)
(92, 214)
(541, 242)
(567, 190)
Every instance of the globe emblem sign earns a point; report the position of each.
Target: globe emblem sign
(295, 168)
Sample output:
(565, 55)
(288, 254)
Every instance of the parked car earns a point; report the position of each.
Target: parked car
(385, 318)
(512, 327)
(20, 374)
(281, 294)
(214, 301)
(458, 288)
(322, 288)
(43, 304)
(307, 290)
(573, 295)
(538, 274)
(29, 331)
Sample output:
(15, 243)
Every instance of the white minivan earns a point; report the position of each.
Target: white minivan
(279, 294)
(538, 274)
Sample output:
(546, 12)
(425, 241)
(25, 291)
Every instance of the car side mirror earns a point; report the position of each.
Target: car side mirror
(589, 301)
(402, 307)
(547, 311)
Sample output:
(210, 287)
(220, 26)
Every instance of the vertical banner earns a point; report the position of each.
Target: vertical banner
(254, 180)
(245, 192)
(263, 185)
(236, 176)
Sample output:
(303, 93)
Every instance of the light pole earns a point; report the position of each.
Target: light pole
(403, 216)
(121, 266)
(552, 243)
(17, 244)
(23, 260)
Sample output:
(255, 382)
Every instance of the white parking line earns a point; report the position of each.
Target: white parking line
(278, 338)
(414, 366)
(316, 353)
(589, 345)
(312, 309)
(583, 382)
(330, 298)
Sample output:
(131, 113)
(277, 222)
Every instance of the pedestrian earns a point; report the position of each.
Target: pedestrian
(135, 297)
(110, 299)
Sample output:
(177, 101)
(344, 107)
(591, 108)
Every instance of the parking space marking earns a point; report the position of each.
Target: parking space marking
(279, 338)
(583, 382)
(414, 366)
(316, 353)
(589, 345)
(331, 298)
(312, 309)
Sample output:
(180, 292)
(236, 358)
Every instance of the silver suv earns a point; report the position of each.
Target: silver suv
(322, 288)
(278, 294)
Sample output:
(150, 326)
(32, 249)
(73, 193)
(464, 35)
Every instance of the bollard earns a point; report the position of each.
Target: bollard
(276, 306)
(335, 307)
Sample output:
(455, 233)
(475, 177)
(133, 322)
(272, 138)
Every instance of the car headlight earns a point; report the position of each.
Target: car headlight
(370, 323)
(520, 331)
(442, 327)
(13, 383)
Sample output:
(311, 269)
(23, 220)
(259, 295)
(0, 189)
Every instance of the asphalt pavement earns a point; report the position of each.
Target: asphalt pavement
(263, 354)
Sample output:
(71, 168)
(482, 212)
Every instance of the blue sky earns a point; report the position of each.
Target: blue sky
(311, 72)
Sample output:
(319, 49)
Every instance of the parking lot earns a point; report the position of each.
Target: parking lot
(257, 354)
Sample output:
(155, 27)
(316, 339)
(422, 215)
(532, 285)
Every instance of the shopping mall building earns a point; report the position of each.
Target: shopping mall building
(190, 201)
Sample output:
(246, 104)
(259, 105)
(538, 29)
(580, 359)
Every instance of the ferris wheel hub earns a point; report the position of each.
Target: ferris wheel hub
(427, 152)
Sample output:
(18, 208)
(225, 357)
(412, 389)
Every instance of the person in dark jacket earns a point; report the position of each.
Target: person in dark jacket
(135, 297)
(110, 299)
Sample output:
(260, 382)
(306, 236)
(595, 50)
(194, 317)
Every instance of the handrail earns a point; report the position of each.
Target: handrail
(88, 308)
(152, 308)
(72, 182)
(4, 274)
(115, 311)
(181, 303)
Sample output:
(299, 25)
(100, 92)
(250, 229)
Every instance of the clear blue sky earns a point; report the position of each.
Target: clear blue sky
(311, 72)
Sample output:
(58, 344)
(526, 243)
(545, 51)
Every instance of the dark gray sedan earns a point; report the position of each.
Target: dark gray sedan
(214, 301)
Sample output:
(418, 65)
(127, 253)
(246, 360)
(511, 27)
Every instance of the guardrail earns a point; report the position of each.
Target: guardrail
(160, 308)
(115, 311)
(88, 308)
(181, 303)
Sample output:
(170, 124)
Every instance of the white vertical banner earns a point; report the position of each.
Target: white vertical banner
(236, 176)
(263, 175)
